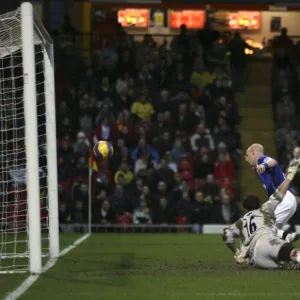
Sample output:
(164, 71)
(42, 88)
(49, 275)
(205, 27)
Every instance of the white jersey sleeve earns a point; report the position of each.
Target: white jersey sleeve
(232, 232)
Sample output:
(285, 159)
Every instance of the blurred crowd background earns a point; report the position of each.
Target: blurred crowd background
(170, 112)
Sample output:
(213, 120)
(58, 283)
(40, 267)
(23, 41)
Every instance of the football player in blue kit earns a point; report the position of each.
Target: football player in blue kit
(271, 176)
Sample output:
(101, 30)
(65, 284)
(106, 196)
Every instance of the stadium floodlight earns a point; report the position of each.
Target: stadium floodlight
(28, 160)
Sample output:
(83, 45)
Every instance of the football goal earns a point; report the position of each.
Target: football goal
(28, 160)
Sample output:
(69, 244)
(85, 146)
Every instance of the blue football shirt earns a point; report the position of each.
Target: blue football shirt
(272, 178)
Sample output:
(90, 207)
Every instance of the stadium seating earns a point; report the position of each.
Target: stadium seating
(179, 122)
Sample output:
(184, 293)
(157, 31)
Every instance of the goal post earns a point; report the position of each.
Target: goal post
(29, 226)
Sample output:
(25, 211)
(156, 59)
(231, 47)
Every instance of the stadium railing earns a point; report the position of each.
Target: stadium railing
(142, 228)
(148, 228)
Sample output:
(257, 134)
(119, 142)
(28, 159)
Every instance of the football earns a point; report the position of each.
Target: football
(103, 150)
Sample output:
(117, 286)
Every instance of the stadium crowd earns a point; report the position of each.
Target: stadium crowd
(285, 100)
(169, 112)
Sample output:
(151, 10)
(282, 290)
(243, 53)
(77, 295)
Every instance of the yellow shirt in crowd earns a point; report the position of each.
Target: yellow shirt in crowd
(128, 176)
(144, 110)
(202, 79)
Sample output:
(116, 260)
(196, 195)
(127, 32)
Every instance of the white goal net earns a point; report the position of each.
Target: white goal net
(28, 187)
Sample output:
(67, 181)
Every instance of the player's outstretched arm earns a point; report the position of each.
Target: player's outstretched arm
(229, 234)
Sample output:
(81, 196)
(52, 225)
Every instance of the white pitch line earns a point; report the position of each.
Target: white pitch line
(29, 281)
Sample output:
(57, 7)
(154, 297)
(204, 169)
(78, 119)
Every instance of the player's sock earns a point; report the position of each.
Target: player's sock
(295, 255)
(284, 253)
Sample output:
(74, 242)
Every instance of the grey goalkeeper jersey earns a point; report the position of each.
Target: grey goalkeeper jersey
(251, 226)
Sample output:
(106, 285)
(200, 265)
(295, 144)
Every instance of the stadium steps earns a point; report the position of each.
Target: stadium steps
(256, 125)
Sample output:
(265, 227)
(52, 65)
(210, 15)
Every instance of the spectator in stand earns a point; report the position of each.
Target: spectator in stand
(164, 173)
(82, 167)
(170, 162)
(104, 90)
(202, 139)
(210, 188)
(183, 120)
(148, 197)
(285, 106)
(163, 143)
(163, 191)
(82, 144)
(182, 41)
(284, 131)
(105, 111)
(164, 214)
(120, 204)
(282, 50)
(201, 77)
(123, 155)
(86, 116)
(199, 114)
(226, 212)
(159, 126)
(65, 214)
(65, 127)
(103, 131)
(224, 170)
(123, 100)
(200, 212)
(81, 193)
(142, 214)
(125, 171)
(178, 151)
(123, 128)
(108, 55)
(222, 149)
(63, 196)
(238, 59)
(144, 147)
(65, 156)
(142, 109)
(183, 206)
(105, 214)
(88, 83)
(229, 137)
(143, 164)
(122, 83)
(145, 81)
(180, 186)
(203, 166)
(80, 213)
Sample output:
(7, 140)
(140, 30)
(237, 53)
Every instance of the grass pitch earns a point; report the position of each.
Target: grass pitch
(146, 266)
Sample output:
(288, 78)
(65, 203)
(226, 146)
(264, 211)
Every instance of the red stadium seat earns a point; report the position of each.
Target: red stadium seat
(181, 220)
(124, 220)
(187, 175)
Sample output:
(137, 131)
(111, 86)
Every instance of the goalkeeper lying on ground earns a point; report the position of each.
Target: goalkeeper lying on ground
(261, 247)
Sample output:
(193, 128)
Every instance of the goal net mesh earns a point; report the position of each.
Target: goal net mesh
(13, 191)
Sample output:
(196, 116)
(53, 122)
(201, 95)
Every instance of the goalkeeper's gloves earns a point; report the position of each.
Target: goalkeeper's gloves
(239, 258)
(292, 170)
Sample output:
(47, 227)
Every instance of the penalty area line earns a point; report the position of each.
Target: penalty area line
(29, 281)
